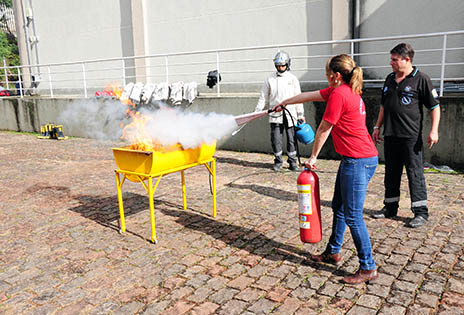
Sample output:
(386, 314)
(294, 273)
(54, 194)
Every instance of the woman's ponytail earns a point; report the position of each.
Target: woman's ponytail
(356, 81)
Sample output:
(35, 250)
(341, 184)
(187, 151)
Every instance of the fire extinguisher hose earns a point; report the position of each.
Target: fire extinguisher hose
(294, 135)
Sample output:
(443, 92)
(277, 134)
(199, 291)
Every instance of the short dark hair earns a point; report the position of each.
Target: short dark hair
(404, 50)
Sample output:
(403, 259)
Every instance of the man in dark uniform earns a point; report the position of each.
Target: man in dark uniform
(406, 90)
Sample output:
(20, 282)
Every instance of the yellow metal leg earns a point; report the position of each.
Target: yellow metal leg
(152, 210)
(213, 166)
(184, 195)
(121, 207)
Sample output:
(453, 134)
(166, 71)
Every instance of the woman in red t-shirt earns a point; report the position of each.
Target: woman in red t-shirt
(345, 119)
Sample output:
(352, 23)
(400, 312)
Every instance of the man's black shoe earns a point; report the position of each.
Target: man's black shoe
(384, 213)
(277, 167)
(418, 221)
(294, 167)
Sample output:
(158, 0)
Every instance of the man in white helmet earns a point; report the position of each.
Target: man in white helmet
(277, 87)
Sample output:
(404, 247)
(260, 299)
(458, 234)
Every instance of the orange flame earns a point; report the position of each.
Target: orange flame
(135, 132)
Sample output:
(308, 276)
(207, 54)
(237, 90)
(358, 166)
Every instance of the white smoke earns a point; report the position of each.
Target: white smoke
(170, 126)
(94, 119)
(167, 126)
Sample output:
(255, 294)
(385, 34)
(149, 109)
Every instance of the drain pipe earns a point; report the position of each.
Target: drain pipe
(23, 45)
(355, 26)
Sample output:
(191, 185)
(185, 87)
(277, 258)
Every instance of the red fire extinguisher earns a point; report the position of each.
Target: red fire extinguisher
(309, 205)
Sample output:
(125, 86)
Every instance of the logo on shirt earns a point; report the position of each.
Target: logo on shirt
(434, 93)
(406, 100)
(407, 88)
(362, 109)
(385, 89)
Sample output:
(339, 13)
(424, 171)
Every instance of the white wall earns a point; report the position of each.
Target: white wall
(399, 17)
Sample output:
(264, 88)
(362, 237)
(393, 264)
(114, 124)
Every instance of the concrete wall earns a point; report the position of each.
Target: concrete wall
(28, 114)
(83, 30)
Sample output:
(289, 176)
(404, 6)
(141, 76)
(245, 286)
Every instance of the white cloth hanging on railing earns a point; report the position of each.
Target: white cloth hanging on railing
(127, 91)
(190, 91)
(147, 92)
(161, 92)
(136, 93)
(176, 93)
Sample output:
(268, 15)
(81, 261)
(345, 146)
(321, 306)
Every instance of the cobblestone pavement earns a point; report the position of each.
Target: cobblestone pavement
(61, 252)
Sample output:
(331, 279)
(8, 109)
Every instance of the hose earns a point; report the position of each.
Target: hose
(294, 136)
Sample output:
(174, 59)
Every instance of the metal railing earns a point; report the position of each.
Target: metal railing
(441, 54)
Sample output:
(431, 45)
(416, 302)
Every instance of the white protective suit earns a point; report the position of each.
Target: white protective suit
(276, 88)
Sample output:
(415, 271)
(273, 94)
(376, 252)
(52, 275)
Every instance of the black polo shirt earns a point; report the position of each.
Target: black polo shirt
(403, 104)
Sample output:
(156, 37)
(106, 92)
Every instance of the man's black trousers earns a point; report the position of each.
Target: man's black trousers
(405, 153)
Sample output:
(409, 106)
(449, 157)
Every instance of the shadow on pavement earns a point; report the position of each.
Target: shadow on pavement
(244, 163)
(105, 210)
(243, 238)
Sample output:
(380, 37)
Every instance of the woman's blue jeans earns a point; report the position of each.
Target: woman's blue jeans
(348, 203)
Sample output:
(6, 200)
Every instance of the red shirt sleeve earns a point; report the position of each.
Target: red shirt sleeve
(334, 108)
(325, 93)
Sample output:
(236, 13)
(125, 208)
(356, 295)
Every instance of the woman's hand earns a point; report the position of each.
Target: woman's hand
(279, 107)
(311, 163)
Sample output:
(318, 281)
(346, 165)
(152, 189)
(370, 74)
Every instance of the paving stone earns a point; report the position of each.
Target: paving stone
(250, 295)
(411, 276)
(432, 286)
(369, 301)
(400, 298)
(155, 308)
(278, 294)
(234, 271)
(348, 293)
(303, 293)
(217, 283)
(417, 309)
(200, 295)
(262, 306)
(378, 290)
(388, 309)
(233, 307)
(316, 282)
(130, 308)
(291, 281)
(289, 306)
(355, 310)
(266, 282)
(241, 282)
(453, 299)
(224, 295)
(257, 271)
(198, 280)
(455, 285)
(404, 286)
(205, 308)
(427, 299)
(329, 288)
(180, 307)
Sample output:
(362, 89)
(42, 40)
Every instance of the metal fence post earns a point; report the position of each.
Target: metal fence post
(21, 92)
(218, 75)
(85, 80)
(6, 73)
(123, 72)
(166, 65)
(352, 50)
(50, 81)
(443, 61)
